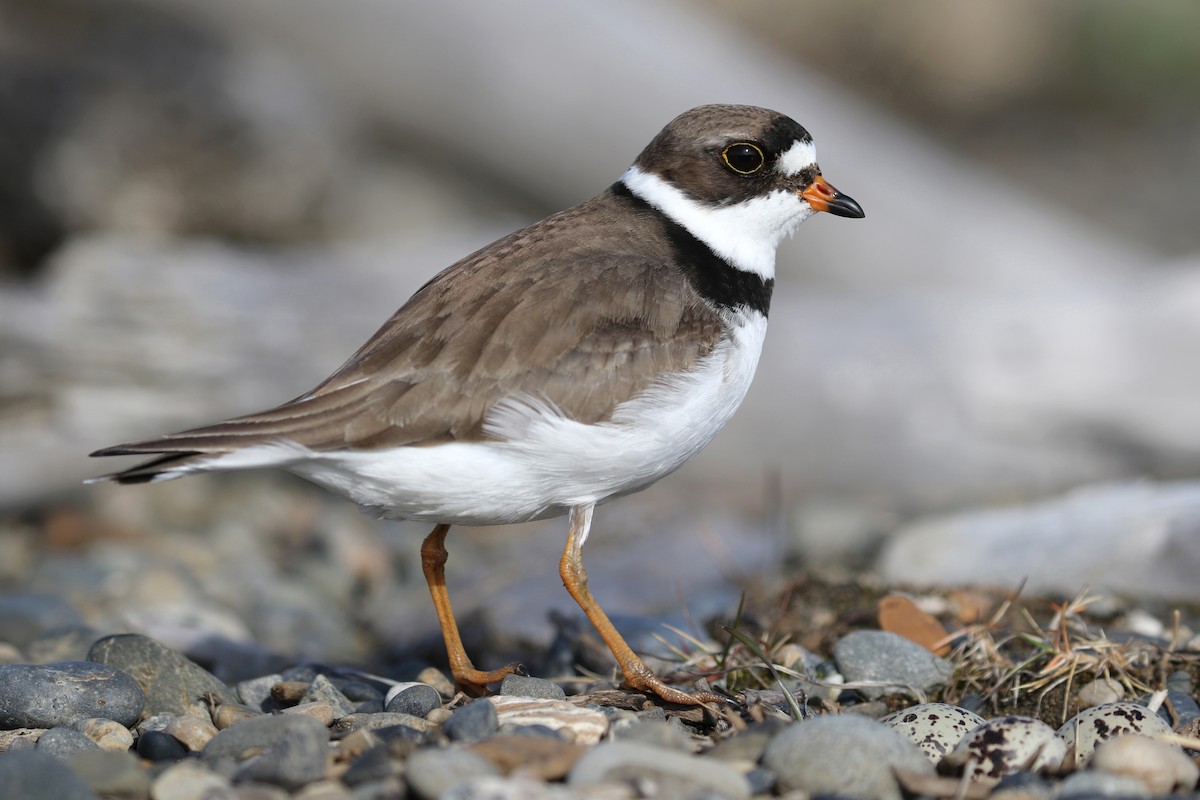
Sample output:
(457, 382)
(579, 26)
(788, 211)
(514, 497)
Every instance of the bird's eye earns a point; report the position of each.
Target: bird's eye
(744, 158)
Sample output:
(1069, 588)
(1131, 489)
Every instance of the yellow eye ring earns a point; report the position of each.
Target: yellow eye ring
(744, 158)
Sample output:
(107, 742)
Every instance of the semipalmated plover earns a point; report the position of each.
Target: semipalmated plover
(576, 360)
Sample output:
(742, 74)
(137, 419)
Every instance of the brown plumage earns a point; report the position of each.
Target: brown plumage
(493, 326)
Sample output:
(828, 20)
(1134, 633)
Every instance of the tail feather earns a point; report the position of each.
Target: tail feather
(165, 467)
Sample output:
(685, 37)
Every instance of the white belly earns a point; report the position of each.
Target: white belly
(540, 464)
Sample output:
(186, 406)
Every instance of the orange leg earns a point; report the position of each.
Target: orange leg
(637, 675)
(433, 564)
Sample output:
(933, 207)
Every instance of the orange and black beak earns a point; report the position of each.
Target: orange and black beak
(823, 197)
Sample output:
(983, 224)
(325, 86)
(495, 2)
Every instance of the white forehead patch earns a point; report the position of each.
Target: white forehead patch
(801, 155)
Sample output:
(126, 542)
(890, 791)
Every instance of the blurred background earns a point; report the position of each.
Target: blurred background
(206, 205)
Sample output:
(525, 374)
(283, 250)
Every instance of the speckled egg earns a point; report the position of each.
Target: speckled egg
(934, 727)
(1007, 745)
(1093, 725)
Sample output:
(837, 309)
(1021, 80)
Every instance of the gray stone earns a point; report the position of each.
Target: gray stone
(48, 695)
(889, 659)
(256, 692)
(526, 686)
(1090, 784)
(159, 746)
(373, 765)
(287, 751)
(748, 745)
(25, 615)
(384, 720)
(654, 733)
(431, 772)
(417, 699)
(322, 690)
(665, 774)
(850, 756)
(30, 775)
(172, 683)
(63, 742)
(106, 733)
(474, 722)
(191, 780)
(112, 775)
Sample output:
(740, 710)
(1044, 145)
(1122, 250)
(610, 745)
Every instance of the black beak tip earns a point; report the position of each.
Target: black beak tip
(844, 206)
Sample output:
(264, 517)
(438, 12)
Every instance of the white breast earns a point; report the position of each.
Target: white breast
(542, 464)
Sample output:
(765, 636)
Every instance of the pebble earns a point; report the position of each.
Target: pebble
(1083, 732)
(289, 692)
(653, 732)
(19, 738)
(375, 764)
(1161, 767)
(748, 746)
(845, 755)
(172, 683)
(228, 714)
(48, 695)
(655, 772)
(32, 775)
(526, 686)
(936, 728)
(431, 772)
(381, 721)
(1006, 745)
(111, 774)
(1100, 691)
(574, 723)
(323, 790)
(890, 660)
(63, 742)
(192, 731)
(323, 712)
(256, 692)
(106, 733)
(322, 690)
(159, 746)
(1089, 785)
(287, 751)
(417, 699)
(474, 722)
(438, 680)
(191, 780)
(548, 759)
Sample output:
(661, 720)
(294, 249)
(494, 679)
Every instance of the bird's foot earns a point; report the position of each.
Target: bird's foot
(650, 683)
(476, 681)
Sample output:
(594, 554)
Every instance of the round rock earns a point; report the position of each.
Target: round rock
(846, 755)
(890, 660)
(659, 771)
(285, 750)
(526, 686)
(417, 699)
(474, 722)
(431, 772)
(31, 775)
(64, 742)
(171, 682)
(50, 695)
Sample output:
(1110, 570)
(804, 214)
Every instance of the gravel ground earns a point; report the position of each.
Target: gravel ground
(233, 639)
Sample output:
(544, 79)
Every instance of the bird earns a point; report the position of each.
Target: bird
(574, 361)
